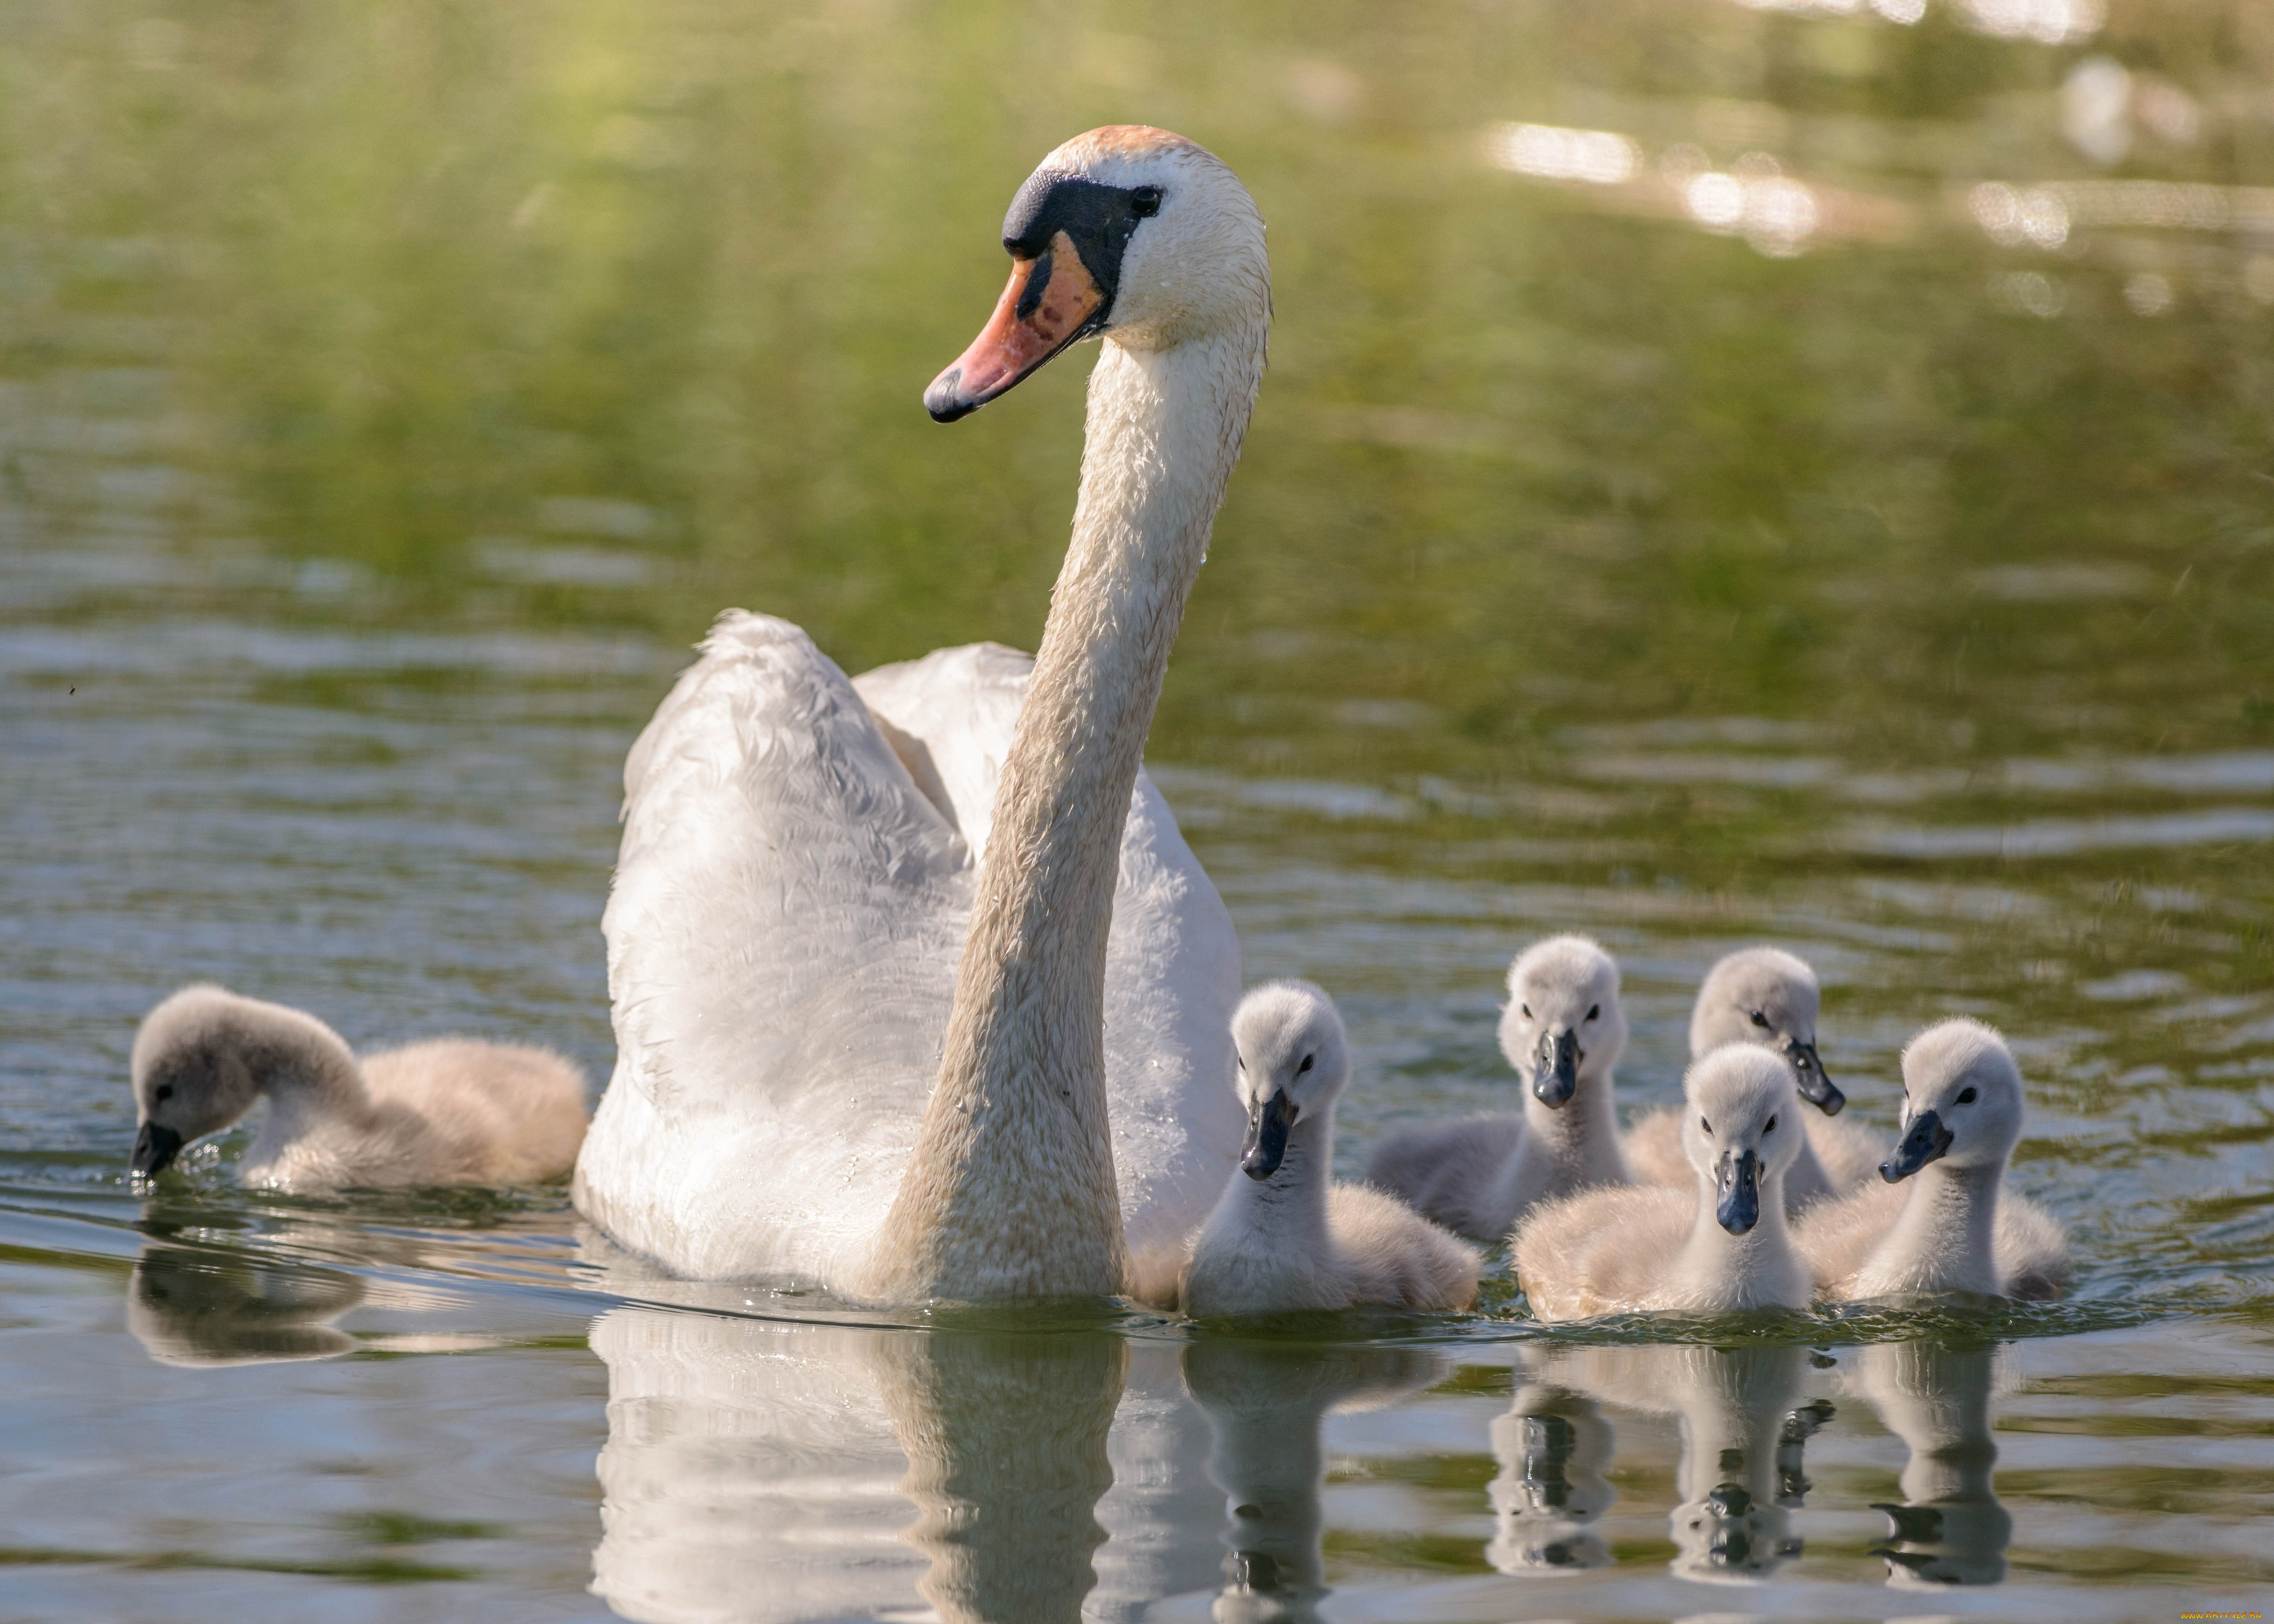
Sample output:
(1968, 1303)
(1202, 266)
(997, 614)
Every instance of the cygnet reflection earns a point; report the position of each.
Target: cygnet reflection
(196, 1306)
(1265, 1403)
(1745, 1418)
(1949, 1528)
(761, 1470)
(1554, 1446)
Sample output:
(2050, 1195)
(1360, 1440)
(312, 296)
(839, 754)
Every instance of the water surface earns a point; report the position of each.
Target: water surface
(1725, 474)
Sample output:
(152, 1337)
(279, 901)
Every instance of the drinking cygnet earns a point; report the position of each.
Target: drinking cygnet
(1767, 997)
(1650, 1248)
(1957, 1228)
(1562, 1031)
(449, 1111)
(1284, 1236)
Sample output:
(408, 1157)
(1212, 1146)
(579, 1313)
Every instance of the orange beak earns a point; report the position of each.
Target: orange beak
(1049, 305)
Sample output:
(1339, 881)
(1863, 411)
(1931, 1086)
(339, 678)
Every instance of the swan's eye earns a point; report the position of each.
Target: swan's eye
(1966, 1096)
(1707, 1126)
(1306, 1065)
(1527, 1009)
(1594, 1010)
(1772, 1127)
(165, 1092)
(1145, 202)
(1760, 1019)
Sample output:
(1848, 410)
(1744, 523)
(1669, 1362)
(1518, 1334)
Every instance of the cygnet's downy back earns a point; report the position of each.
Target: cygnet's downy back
(449, 1111)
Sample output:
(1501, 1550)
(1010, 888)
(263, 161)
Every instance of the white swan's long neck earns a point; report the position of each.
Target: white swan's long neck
(1011, 1191)
(1945, 1238)
(1581, 1136)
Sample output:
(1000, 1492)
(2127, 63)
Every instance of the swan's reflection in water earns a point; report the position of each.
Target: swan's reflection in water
(1950, 1528)
(1554, 1446)
(1266, 1403)
(757, 1470)
(1745, 1418)
(191, 1306)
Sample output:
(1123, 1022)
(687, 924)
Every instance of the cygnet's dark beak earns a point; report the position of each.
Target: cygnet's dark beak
(1267, 1137)
(1740, 1206)
(1556, 1076)
(1925, 1142)
(1808, 1072)
(155, 1148)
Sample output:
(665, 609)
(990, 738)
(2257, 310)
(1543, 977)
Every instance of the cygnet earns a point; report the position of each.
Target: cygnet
(1957, 1228)
(1284, 1236)
(1562, 1031)
(1768, 996)
(1650, 1248)
(449, 1111)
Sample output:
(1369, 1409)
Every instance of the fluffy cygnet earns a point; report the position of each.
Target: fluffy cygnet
(1767, 997)
(1956, 1230)
(450, 1111)
(1285, 1237)
(1562, 1031)
(1648, 1248)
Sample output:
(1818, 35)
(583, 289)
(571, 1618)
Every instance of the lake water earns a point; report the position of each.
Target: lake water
(1725, 474)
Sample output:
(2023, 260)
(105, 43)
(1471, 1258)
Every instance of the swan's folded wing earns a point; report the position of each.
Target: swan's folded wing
(1171, 962)
(1601, 1251)
(783, 932)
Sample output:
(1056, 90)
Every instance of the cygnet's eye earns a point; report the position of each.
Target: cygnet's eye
(1527, 1009)
(1306, 1065)
(1772, 1127)
(1707, 1126)
(1594, 1010)
(165, 1092)
(1966, 1096)
(1145, 202)
(1759, 1020)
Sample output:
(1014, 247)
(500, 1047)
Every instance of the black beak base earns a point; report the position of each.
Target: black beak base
(1739, 1209)
(1808, 1072)
(155, 1147)
(1267, 1138)
(1555, 1077)
(1925, 1142)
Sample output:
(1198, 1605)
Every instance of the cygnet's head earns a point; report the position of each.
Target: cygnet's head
(1128, 230)
(1740, 1128)
(1766, 996)
(198, 1064)
(1292, 1060)
(1961, 1101)
(1563, 1020)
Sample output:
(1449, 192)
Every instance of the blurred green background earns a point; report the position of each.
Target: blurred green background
(614, 314)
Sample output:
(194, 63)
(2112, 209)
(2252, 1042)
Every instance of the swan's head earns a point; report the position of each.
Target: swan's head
(1961, 1101)
(1563, 1022)
(1741, 1128)
(191, 1070)
(1291, 1060)
(1128, 230)
(1766, 996)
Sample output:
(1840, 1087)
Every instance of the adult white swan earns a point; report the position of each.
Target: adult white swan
(910, 1001)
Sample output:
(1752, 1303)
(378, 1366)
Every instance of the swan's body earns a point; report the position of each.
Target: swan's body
(1562, 1031)
(1283, 1237)
(1647, 1249)
(1768, 996)
(448, 1111)
(1956, 1230)
(912, 1051)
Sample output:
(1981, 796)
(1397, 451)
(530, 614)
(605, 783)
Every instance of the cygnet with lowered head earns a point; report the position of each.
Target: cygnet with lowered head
(1285, 1237)
(1653, 1249)
(1767, 997)
(1957, 1229)
(1562, 1031)
(448, 1111)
